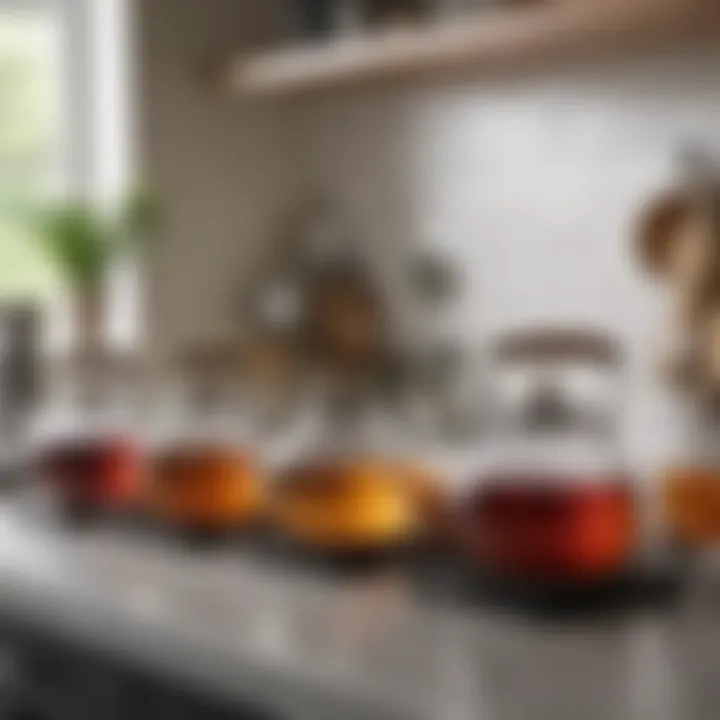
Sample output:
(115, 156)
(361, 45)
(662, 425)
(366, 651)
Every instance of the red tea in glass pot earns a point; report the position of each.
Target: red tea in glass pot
(88, 448)
(555, 502)
(93, 473)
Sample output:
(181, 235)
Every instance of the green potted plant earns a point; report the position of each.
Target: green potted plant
(84, 242)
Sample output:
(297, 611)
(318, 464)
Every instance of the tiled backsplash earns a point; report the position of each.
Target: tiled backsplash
(533, 185)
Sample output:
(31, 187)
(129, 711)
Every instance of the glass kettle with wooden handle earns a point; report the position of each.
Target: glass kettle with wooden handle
(555, 502)
(679, 243)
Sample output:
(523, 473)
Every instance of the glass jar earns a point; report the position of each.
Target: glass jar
(205, 477)
(691, 483)
(88, 445)
(353, 493)
(556, 502)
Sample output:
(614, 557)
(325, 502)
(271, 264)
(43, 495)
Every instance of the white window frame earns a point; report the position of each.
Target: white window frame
(87, 29)
(94, 129)
(77, 119)
(75, 81)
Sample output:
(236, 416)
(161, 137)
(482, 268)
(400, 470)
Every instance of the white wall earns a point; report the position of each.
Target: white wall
(532, 184)
(223, 168)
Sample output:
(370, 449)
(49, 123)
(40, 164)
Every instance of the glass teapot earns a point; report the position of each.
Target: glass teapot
(555, 501)
(205, 477)
(88, 443)
(353, 492)
(691, 482)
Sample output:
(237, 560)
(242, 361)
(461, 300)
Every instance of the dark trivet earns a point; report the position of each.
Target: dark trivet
(451, 581)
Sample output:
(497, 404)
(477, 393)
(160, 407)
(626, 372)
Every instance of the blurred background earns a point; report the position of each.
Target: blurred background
(308, 305)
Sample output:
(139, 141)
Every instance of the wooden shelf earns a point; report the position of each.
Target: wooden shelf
(487, 41)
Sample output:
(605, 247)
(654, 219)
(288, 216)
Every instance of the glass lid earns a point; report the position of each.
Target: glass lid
(92, 396)
(558, 396)
(200, 400)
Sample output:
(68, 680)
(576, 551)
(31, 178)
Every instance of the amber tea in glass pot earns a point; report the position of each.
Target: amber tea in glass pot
(205, 478)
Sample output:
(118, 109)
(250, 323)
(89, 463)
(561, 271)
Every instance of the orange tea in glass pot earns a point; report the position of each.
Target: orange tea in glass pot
(205, 476)
(350, 493)
(691, 484)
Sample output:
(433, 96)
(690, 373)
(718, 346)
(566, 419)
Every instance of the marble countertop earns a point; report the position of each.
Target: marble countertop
(312, 648)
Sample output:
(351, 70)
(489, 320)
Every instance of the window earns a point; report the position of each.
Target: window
(64, 124)
(29, 157)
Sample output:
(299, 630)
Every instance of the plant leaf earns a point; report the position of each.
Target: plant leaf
(139, 217)
(76, 239)
(83, 242)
